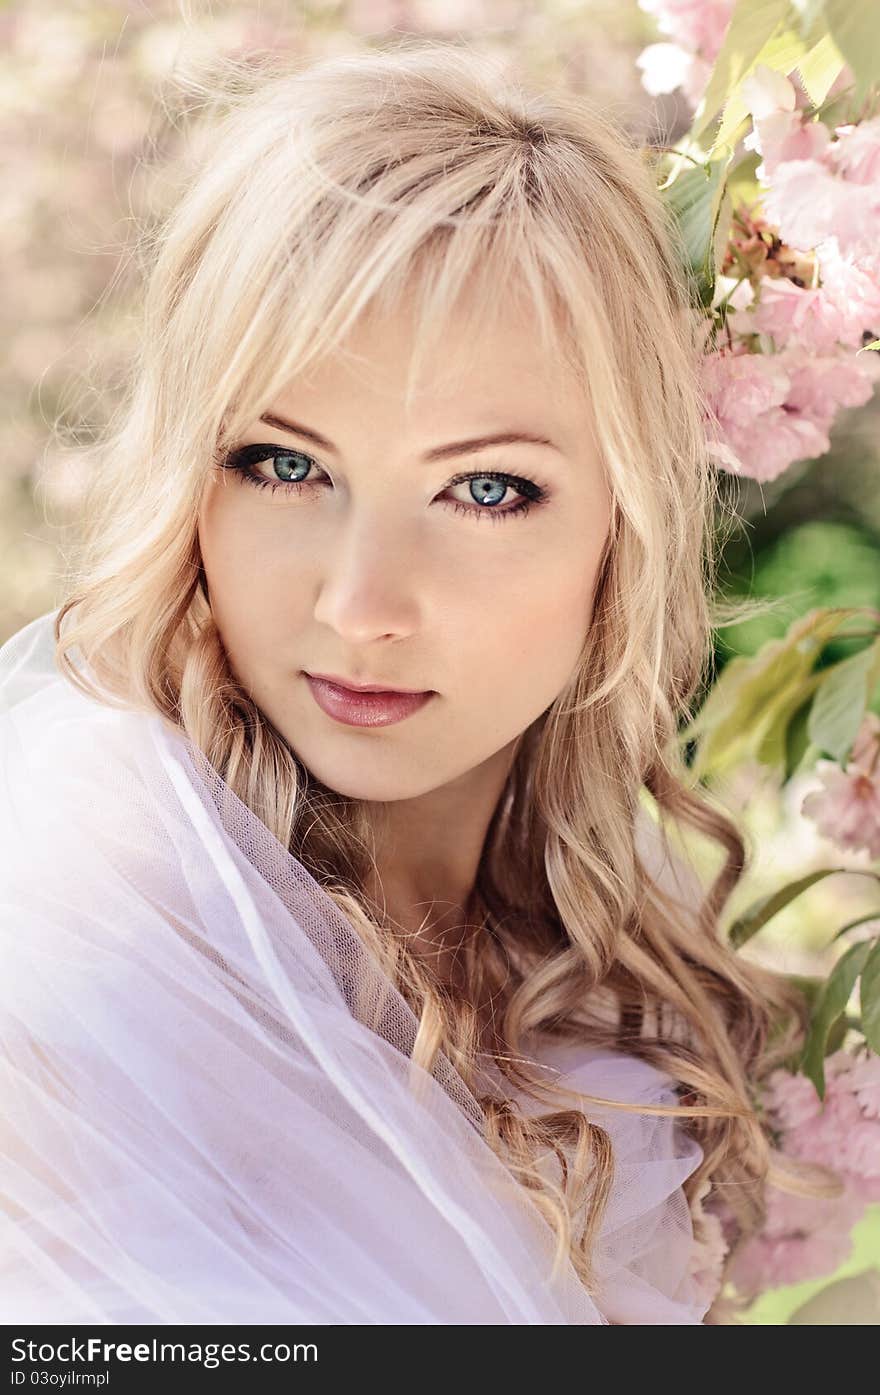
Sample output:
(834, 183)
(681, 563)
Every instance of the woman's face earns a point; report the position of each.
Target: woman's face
(368, 571)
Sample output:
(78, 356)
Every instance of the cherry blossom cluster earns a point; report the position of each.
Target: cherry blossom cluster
(804, 1237)
(802, 292)
(796, 304)
(799, 293)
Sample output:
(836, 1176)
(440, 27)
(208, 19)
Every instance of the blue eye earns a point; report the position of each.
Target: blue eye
(292, 468)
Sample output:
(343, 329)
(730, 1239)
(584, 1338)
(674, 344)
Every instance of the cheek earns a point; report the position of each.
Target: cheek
(249, 548)
(524, 630)
(261, 604)
(223, 558)
(247, 592)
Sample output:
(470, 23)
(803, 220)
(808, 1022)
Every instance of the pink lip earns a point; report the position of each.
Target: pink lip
(360, 708)
(362, 687)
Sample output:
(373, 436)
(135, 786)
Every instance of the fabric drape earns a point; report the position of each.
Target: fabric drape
(209, 1110)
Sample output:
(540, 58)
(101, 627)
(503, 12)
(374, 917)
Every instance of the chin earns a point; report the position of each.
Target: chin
(375, 786)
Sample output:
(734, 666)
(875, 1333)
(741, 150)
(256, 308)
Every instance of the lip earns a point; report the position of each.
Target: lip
(362, 687)
(360, 707)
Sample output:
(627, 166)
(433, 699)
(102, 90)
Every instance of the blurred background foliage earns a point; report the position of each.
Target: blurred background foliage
(92, 133)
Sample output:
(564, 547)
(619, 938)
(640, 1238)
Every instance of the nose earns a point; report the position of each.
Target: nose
(367, 584)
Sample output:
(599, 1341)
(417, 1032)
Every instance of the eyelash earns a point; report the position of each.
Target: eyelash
(243, 460)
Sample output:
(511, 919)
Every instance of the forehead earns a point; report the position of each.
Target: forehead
(469, 364)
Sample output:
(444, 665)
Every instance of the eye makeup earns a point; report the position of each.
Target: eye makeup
(244, 460)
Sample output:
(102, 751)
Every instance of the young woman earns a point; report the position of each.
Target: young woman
(389, 1006)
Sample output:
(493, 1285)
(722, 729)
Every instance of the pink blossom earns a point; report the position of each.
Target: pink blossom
(818, 187)
(821, 194)
(824, 1138)
(782, 136)
(750, 432)
(779, 132)
(846, 808)
(697, 29)
(821, 384)
(698, 25)
(766, 91)
(802, 1238)
(791, 1099)
(766, 411)
(856, 152)
(853, 286)
(786, 311)
(864, 1078)
(696, 80)
(742, 386)
(865, 752)
(843, 1130)
(809, 203)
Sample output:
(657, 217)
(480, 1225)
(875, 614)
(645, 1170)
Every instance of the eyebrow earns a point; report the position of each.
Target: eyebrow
(500, 438)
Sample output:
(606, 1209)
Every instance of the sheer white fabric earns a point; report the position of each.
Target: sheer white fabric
(202, 1122)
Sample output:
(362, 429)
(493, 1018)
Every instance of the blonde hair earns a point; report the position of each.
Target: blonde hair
(332, 188)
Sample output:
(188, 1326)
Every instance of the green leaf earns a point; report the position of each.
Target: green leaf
(820, 69)
(749, 708)
(694, 197)
(735, 123)
(870, 994)
(758, 914)
(831, 1003)
(810, 987)
(782, 52)
(752, 25)
(808, 759)
(797, 742)
(840, 702)
(771, 747)
(837, 1034)
(742, 183)
(720, 237)
(855, 30)
(840, 109)
(853, 924)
